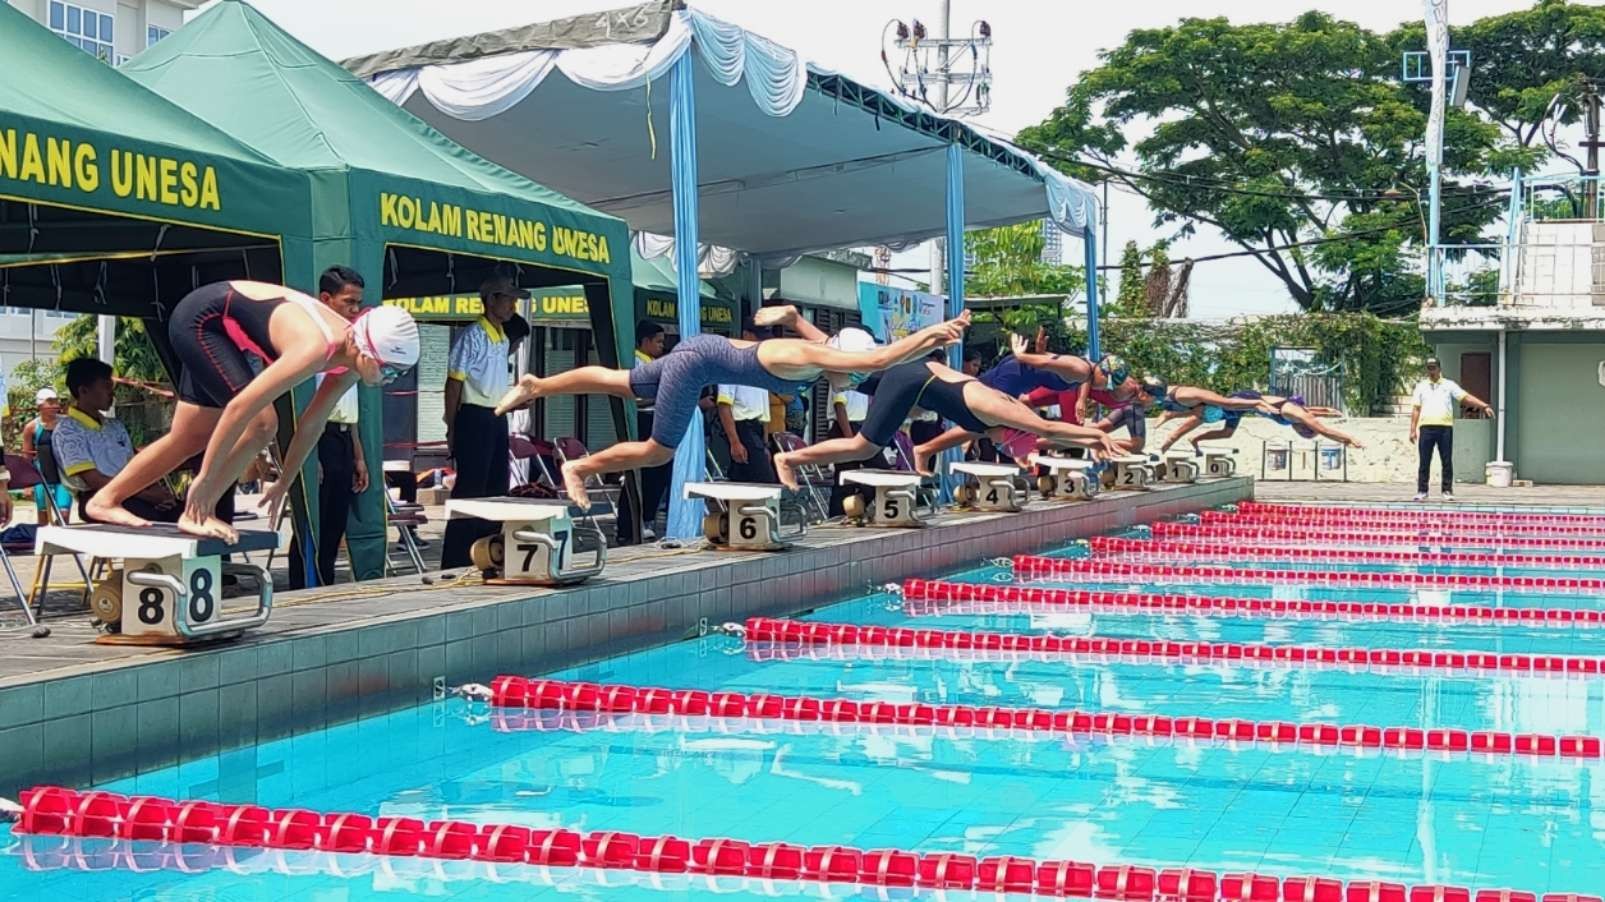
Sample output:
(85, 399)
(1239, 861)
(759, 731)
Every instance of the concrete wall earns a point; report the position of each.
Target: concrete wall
(1555, 430)
(1475, 440)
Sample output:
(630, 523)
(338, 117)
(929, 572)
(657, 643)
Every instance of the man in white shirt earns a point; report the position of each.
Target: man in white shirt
(1432, 425)
(743, 410)
(477, 375)
(91, 447)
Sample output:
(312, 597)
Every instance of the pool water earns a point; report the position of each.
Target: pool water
(1478, 821)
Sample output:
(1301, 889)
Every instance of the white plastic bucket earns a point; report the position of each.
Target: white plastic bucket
(1499, 473)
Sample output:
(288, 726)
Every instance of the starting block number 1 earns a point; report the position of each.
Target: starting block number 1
(154, 607)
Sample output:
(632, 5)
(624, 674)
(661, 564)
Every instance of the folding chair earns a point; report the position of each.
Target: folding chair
(570, 448)
(903, 451)
(16, 584)
(405, 518)
(814, 479)
(24, 476)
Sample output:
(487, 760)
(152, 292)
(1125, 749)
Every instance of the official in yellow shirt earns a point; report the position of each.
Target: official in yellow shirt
(1432, 425)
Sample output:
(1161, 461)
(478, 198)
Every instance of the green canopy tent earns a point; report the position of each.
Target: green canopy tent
(655, 297)
(116, 201)
(412, 210)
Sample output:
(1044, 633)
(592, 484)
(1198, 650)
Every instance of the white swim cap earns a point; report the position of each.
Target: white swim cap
(853, 339)
(388, 335)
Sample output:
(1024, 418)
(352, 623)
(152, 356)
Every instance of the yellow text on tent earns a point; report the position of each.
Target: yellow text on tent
(401, 211)
(77, 166)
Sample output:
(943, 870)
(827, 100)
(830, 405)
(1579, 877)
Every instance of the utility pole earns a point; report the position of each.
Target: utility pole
(1591, 116)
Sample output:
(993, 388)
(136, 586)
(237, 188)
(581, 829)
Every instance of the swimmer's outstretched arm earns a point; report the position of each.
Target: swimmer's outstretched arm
(1069, 366)
(795, 359)
(308, 430)
(1309, 420)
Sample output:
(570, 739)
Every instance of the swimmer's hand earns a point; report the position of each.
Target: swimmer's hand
(273, 499)
(1018, 345)
(1041, 339)
(952, 330)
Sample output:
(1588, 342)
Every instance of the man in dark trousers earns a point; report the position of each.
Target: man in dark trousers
(343, 473)
(1432, 424)
(649, 345)
(476, 378)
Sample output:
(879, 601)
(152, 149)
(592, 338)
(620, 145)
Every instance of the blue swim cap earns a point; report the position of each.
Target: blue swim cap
(1115, 368)
(1155, 388)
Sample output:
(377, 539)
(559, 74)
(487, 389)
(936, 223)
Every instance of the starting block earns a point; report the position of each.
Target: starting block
(172, 580)
(1177, 466)
(1220, 462)
(896, 501)
(539, 535)
(990, 487)
(748, 518)
(1068, 478)
(1130, 472)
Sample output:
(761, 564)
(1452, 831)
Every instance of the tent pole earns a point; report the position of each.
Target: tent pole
(1089, 241)
(685, 516)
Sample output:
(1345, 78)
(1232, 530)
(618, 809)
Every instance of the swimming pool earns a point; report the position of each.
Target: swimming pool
(1343, 811)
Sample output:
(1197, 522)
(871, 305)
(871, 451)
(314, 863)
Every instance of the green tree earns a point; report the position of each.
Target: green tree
(136, 357)
(1278, 135)
(1007, 261)
(1130, 300)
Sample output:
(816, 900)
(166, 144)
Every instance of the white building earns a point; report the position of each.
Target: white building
(112, 30)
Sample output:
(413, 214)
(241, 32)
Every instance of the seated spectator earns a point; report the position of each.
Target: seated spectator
(92, 447)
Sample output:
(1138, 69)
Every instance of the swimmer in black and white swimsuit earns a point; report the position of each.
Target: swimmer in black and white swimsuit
(673, 382)
(973, 407)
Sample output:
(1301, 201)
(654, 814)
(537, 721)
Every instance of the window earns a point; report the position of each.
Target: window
(86, 29)
(154, 33)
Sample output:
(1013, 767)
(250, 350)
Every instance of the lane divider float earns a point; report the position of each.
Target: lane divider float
(930, 597)
(1031, 565)
(1417, 514)
(1487, 530)
(965, 645)
(56, 811)
(1171, 549)
(560, 695)
(1247, 532)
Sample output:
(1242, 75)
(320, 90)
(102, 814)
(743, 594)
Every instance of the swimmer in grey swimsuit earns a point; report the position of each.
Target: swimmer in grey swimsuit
(673, 381)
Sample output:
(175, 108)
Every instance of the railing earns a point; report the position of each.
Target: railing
(1566, 197)
(1561, 276)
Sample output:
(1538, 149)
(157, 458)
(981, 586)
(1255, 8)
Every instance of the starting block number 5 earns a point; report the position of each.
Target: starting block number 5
(155, 604)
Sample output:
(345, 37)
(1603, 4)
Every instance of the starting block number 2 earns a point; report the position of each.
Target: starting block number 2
(154, 606)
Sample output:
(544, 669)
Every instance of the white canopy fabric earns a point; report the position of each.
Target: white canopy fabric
(829, 163)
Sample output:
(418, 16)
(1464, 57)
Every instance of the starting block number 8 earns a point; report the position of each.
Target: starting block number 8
(156, 604)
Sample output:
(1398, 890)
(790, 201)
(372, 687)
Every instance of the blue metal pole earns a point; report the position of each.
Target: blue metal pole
(1434, 259)
(955, 280)
(690, 458)
(1089, 241)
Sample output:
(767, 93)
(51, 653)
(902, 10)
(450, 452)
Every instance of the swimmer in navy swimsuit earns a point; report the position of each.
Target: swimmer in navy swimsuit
(973, 407)
(225, 402)
(672, 382)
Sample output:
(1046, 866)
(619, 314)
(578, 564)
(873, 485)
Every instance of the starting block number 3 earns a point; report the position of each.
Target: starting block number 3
(154, 607)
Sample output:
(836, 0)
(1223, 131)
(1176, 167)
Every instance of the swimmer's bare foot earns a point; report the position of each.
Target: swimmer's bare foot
(211, 528)
(112, 514)
(785, 473)
(922, 463)
(521, 395)
(574, 484)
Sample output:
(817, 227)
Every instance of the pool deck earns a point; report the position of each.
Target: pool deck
(74, 712)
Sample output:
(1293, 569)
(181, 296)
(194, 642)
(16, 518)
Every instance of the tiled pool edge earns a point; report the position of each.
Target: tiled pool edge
(144, 715)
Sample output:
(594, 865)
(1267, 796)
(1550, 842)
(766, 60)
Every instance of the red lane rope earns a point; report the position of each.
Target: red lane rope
(994, 598)
(1171, 549)
(1400, 536)
(1418, 515)
(858, 641)
(56, 811)
(1031, 565)
(559, 695)
(1487, 530)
